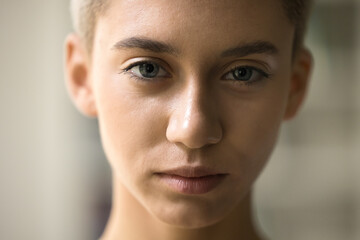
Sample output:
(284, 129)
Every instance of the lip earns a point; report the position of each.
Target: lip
(191, 180)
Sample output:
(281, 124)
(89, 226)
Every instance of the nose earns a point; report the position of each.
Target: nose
(194, 120)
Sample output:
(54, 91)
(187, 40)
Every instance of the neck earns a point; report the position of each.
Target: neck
(130, 220)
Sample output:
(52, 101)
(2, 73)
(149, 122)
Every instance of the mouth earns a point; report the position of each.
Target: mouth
(191, 180)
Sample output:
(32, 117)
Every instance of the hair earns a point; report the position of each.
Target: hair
(84, 15)
(86, 12)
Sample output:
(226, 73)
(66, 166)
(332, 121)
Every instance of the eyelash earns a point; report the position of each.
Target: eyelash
(263, 74)
(134, 76)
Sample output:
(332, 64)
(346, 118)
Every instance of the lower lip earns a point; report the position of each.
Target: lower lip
(196, 185)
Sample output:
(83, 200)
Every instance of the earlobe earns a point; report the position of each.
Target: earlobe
(299, 82)
(78, 80)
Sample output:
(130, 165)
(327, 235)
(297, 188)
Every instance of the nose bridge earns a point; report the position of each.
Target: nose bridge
(194, 121)
(193, 107)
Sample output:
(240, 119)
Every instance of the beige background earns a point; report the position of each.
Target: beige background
(54, 179)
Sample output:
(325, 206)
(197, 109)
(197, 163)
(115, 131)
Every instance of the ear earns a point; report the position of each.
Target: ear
(300, 77)
(77, 70)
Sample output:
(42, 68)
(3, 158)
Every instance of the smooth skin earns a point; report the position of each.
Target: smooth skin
(187, 83)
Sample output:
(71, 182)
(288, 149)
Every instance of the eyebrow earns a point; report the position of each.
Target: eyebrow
(146, 44)
(256, 47)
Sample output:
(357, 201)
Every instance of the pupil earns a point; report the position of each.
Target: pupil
(148, 70)
(242, 74)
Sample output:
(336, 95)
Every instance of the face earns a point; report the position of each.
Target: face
(190, 96)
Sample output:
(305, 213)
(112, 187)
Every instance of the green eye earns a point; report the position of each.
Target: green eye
(245, 74)
(147, 70)
(242, 74)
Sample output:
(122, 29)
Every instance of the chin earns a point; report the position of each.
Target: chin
(188, 221)
(192, 214)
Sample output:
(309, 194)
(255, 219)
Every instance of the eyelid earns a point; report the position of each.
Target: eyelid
(255, 64)
(138, 76)
(152, 60)
(258, 75)
(251, 63)
(259, 70)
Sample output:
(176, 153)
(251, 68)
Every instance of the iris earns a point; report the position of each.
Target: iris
(148, 70)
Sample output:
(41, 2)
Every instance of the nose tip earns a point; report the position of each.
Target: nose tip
(194, 125)
(196, 134)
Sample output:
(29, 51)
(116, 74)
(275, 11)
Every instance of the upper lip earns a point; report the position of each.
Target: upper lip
(192, 172)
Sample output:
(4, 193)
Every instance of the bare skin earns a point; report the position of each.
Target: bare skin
(187, 84)
(129, 220)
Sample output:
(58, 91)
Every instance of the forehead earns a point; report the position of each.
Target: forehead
(206, 23)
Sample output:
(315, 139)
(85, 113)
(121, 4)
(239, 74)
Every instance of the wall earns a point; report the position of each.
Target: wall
(310, 190)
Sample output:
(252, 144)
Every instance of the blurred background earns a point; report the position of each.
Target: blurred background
(54, 178)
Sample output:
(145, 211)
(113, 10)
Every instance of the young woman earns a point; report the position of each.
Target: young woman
(190, 96)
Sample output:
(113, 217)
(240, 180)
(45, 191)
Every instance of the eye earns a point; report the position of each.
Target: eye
(146, 70)
(245, 74)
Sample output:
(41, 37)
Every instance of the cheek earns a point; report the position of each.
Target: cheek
(252, 127)
(130, 127)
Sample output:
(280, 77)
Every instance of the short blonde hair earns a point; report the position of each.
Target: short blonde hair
(85, 13)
